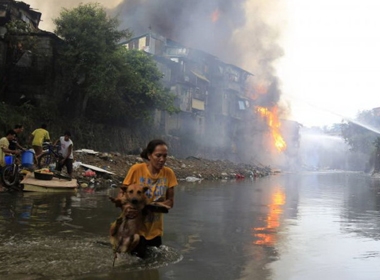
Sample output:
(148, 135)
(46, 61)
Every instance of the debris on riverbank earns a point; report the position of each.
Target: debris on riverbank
(190, 169)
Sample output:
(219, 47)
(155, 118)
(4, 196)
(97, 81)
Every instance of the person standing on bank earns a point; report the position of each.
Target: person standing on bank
(66, 152)
(38, 137)
(14, 144)
(161, 181)
(4, 147)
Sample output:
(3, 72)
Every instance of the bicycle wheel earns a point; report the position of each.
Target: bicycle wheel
(46, 159)
(10, 175)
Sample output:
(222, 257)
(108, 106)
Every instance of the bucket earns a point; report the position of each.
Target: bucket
(52, 167)
(27, 158)
(8, 160)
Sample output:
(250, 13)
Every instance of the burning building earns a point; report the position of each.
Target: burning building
(219, 118)
(209, 52)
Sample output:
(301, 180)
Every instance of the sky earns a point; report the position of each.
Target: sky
(330, 63)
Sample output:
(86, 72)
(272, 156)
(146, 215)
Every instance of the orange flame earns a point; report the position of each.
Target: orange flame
(257, 89)
(215, 15)
(274, 124)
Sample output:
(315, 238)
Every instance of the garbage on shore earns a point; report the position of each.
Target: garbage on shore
(96, 169)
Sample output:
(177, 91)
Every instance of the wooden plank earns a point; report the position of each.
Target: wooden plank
(33, 188)
(54, 183)
(96, 169)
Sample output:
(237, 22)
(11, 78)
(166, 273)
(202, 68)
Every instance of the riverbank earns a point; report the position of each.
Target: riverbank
(110, 169)
(189, 169)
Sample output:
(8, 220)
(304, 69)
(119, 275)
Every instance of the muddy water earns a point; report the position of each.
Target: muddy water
(300, 226)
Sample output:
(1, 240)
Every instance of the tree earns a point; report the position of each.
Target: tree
(376, 157)
(362, 136)
(141, 87)
(358, 134)
(114, 84)
(91, 39)
(139, 91)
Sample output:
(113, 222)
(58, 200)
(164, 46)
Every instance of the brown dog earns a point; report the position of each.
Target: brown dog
(124, 235)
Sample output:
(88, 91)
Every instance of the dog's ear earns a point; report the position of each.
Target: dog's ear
(145, 189)
(124, 188)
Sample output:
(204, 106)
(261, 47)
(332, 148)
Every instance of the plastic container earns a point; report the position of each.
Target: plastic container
(52, 167)
(9, 160)
(27, 158)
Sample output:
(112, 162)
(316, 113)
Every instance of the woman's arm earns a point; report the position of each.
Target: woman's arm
(8, 151)
(169, 198)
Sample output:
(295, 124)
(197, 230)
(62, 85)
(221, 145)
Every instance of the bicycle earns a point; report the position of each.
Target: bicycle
(12, 174)
(49, 156)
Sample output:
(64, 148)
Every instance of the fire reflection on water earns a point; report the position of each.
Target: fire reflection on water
(266, 235)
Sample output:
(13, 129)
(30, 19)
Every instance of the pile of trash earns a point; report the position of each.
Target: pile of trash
(93, 168)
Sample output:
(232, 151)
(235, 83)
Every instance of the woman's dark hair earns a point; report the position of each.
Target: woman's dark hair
(151, 147)
(67, 133)
(44, 126)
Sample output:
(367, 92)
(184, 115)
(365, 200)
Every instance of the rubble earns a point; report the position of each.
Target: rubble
(191, 169)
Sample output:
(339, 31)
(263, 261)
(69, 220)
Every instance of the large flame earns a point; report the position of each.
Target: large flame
(271, 117)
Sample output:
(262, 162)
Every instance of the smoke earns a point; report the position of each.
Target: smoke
(245, 33)
(241, 32)
(50, 9)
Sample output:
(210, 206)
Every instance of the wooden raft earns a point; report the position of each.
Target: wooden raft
(32, 184)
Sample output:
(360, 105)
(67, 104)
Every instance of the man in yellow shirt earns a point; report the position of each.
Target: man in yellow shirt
(4, 147)
(37, 138)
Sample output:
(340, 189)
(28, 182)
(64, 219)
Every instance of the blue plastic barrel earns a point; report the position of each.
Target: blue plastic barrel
(27, 158)
(8, 160)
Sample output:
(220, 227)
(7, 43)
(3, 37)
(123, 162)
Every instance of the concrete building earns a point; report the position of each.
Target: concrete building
(211, 94)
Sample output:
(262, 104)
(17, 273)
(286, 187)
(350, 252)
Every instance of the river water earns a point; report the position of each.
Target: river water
(287, 226)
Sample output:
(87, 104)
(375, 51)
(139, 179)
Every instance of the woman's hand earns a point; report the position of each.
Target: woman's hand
(130, 212)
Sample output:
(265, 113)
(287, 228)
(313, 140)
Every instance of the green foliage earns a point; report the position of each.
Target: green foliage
(141, 87)
(17, 26)
(91, 39)
(361, 139)
(114, 84)
(138, 93)
(16, 31)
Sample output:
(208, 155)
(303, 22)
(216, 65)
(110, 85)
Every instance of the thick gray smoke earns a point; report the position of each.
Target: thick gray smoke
(197, 23)
(245, 33)
(240, 32)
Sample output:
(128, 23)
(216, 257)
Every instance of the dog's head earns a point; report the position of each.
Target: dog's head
(132, 195)
(135, 194)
